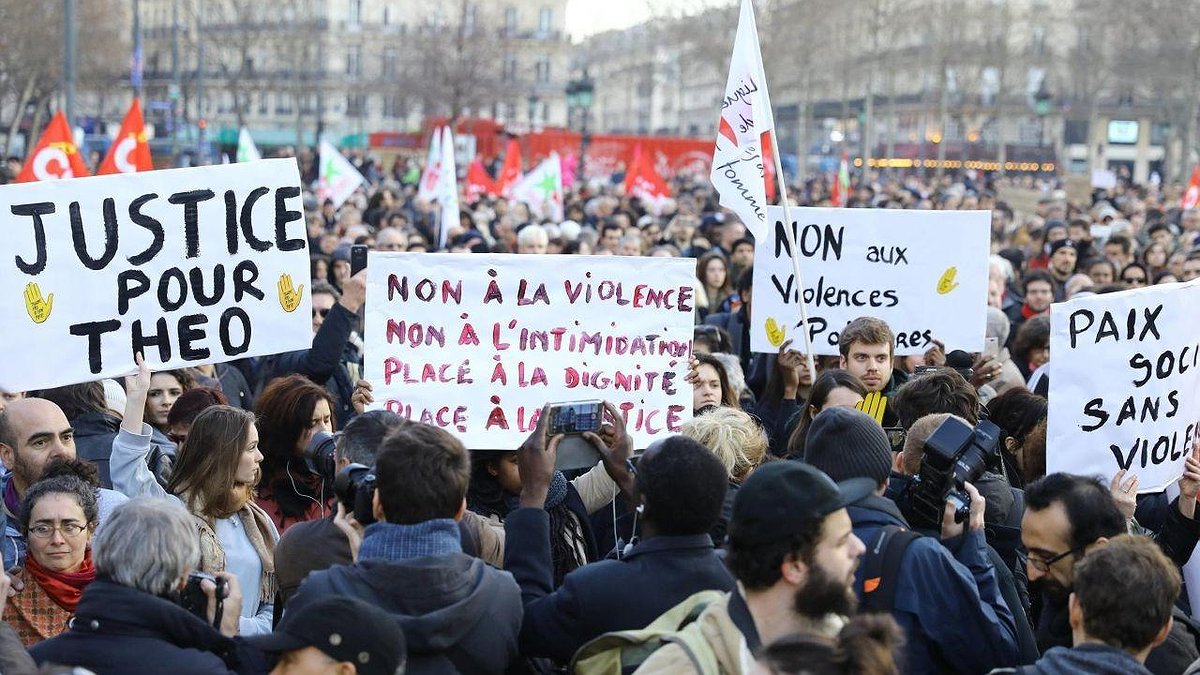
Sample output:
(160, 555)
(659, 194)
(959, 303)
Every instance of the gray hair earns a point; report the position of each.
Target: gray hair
(533, 234)
(147, 543)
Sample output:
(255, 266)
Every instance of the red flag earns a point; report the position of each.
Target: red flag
(642, 180)
(1191, 198)
(479, 182)
(129, 152)
(510, 172)
(768, 160)
(55, 155)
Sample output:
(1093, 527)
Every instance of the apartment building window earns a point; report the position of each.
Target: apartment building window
(545, 20)
(393, 106)
(354, 61)
(356, 105)
(354, 14)
(283, 103)
(542, 70)
(390, 59)
(387, 15)
(510, 69)
(510, 20)
(262, 102)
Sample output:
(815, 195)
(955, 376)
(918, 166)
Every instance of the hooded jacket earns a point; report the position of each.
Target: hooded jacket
(123, 631)
(458, 614)
(1095, 659)
(947, 596)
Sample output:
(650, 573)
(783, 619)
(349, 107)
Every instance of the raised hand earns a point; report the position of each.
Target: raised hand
(289, 295)
(38, 308)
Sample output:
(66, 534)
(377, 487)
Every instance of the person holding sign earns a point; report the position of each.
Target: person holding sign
(214, 477)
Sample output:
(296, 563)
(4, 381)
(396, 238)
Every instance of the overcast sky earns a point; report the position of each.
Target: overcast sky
(585, 17)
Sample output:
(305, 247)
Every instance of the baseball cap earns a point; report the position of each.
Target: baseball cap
(783, 498)
(344, 629)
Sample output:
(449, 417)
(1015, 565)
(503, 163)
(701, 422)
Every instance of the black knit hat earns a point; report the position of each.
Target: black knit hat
(847, 443)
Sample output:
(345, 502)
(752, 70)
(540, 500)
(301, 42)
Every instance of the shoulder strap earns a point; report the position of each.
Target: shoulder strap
(882, 567)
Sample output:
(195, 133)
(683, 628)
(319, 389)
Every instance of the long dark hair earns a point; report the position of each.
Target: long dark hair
(285, 410)
(487, 498)
(728, 396)
(825, 384)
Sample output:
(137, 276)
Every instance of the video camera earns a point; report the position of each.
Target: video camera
(954, 454)
(318, 454)
(355, 489)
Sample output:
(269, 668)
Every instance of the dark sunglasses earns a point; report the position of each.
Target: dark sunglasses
(320, 312)
(1134, 280)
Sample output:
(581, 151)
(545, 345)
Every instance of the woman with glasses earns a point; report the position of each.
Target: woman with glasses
(215, 474)
(58, 517)
(1135, 275)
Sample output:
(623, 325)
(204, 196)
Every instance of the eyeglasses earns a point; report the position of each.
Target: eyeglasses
(45, 530)
(320, 312)
(1043, 566)
(1134, 281)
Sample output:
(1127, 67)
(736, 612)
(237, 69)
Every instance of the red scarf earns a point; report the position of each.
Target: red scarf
(64, 588)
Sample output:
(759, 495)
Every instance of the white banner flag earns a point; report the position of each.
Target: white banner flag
(447, 188)
(431, 174)
(187, 266)
(247, 151)
(738, 171)
(542, 189)
(1125, 384)
(477, 344)
(339, 179)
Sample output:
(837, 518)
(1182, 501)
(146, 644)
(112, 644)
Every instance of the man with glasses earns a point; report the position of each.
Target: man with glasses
(1065, 517)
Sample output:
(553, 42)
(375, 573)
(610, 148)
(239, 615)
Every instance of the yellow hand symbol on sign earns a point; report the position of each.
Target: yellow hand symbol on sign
(947, 282)
(873, 404)
(775, 333)
(39, 309)
(289, 296)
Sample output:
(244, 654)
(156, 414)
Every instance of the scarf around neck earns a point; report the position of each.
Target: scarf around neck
(555, 496)
(391, 541)
(64, 588)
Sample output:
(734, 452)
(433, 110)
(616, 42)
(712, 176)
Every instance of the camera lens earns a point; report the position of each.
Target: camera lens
(318, 454)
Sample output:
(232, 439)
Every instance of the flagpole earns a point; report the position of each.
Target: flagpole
(791, 240)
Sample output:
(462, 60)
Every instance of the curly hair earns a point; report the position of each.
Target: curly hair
(869, 644)
(733, 436)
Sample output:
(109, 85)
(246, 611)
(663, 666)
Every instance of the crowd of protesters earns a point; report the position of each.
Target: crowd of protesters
(187, 521)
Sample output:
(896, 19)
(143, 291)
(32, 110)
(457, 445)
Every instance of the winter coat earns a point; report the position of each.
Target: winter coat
(123, 631)
(605, 596)
(947, 596)
(1095, 659)
(458, 614)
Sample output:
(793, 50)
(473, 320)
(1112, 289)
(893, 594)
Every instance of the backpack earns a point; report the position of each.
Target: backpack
(881, 568)
(624, 651)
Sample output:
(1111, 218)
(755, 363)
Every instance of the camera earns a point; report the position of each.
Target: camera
(355, 489)
(318, 454)
(954, 454)
(193, 599)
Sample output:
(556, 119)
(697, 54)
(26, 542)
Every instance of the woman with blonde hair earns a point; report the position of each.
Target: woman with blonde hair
(738, 441)
(215, 473)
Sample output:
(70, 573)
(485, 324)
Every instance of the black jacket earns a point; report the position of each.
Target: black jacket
(325, 363)
(119, 630)
(605, 596)
(458, 614)
(94, 434)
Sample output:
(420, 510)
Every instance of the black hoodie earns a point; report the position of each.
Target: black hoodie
(459, 615)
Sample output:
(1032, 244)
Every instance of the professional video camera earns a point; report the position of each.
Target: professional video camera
(318, 454)
(355, 489)
(954, 454)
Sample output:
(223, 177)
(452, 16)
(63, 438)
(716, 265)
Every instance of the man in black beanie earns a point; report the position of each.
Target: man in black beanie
(944, 595)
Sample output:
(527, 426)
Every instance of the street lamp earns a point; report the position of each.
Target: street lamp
(579, 97)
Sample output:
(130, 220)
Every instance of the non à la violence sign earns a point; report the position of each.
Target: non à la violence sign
(476, 344)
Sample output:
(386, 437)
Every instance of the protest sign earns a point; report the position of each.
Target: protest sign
(188, 266)
(1125, 383)
(476, 344)
(923, 272)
